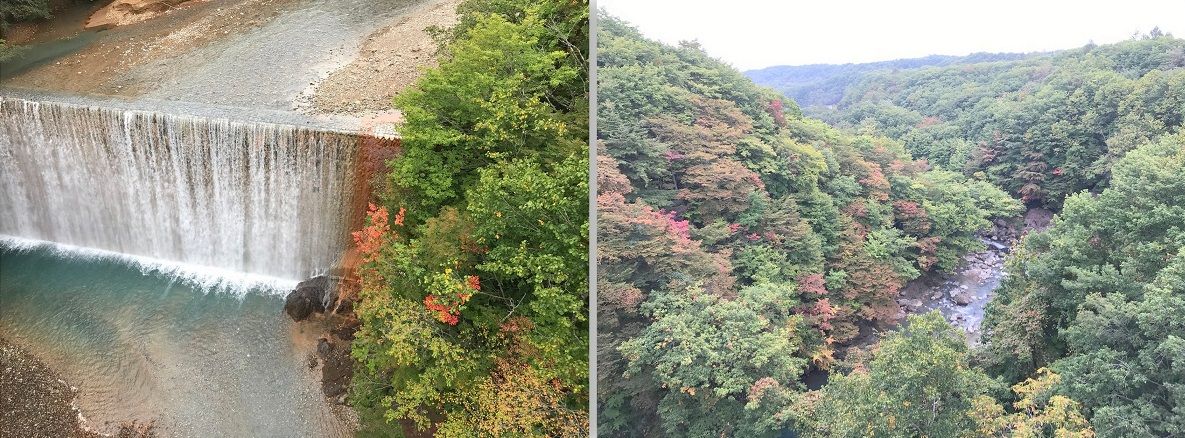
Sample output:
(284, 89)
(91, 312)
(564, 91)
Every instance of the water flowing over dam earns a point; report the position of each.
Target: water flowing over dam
(260, 198)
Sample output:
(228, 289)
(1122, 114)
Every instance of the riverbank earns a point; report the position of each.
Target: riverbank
(314, 57)
(962, 295)
(35, 401)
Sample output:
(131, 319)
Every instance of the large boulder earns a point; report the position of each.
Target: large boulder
(310, 296)
(962, 297)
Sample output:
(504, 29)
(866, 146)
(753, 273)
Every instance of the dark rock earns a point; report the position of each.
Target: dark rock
(345, 307)
(336, 369)
(911, 305)
(963, 298)
(324, 347)
(346, 330)
(310, 296)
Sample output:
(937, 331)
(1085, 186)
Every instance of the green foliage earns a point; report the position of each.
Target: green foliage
(1143, 397)
(1101, 288)
(491, 100)
(1038, 412)
(741, 243)
(693, 345)
(957, 208)
(919, 383)
(536, 233)
(12, 11)
(1042, 127)
(473, 306)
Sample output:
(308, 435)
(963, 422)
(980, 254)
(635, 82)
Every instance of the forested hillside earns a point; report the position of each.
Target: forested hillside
(1096, 133)
(474, 299)
(1100, 298)
(825, 84)
(1041, 128)
(742, 244)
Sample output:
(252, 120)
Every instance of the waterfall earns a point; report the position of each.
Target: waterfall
(260, 198)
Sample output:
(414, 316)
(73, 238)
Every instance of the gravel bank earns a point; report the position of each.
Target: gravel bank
(34, 400)
(390, 60)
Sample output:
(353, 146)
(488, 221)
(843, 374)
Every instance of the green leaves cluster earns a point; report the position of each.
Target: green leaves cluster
(493, 177)
(742, 244)
(1097, 298)
(919, 383)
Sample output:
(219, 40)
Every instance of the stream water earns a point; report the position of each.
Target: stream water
(176, 238)
(194, 207)
(198, 351)
(961, 297)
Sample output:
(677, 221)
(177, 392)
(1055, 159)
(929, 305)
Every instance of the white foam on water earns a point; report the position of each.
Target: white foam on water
(269, 199)
(204, 278)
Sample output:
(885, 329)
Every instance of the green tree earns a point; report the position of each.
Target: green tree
(473, 303)
(1039, 412)
(918, 383)
(491, 99)
(1127, 360)
(1097, 298)
(692, 347)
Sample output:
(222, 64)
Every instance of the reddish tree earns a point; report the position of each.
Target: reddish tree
(778, 112)
(912, 217)
(812, 285)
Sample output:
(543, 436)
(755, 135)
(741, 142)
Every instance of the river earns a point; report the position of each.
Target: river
(196, 351)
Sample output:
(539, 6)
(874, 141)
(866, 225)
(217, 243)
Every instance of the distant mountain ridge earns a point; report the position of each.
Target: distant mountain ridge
(824, 84)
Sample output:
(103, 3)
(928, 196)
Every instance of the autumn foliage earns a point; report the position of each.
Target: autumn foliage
(741, 244)
(474, 297)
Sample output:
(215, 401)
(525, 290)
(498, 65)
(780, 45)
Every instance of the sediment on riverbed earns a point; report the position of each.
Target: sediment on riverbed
(35, 401)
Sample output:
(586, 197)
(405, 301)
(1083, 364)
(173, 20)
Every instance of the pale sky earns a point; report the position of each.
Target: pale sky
(752, 34)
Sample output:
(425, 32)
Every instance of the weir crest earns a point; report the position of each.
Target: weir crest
(261, 198)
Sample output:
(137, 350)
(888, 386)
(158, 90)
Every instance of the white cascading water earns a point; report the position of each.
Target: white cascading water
(258, 198)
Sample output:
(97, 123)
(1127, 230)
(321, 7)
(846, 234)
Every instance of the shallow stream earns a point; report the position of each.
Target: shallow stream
(199, 352)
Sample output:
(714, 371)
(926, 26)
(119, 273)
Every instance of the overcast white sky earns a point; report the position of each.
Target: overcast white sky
(760, 33)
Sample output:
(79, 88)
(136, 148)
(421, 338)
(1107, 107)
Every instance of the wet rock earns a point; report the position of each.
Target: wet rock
(345, 307)
(324, 347)
(963, 297)
(310, 296)
(909, 304)
(346, 330)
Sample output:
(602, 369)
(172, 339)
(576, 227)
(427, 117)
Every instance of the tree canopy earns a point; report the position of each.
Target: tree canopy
(742, 244)
(474, 300)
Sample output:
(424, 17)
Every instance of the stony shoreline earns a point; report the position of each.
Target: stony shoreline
(35, 401)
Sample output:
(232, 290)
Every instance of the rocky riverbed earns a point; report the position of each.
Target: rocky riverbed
(963, 295)
(324, 58)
